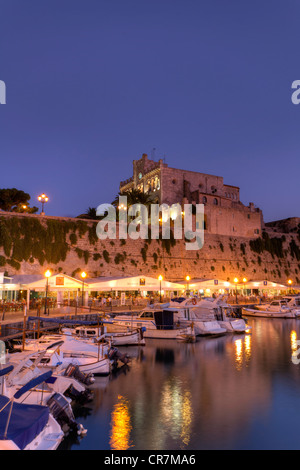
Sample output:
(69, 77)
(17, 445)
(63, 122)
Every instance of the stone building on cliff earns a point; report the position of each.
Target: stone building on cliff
(224, 213)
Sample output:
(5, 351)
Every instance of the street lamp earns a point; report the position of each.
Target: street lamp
(235, 280)
(187, 278)
(43, 199)
(244, 282)
(83, 276)
(290, 282)
(47, 275)
(160, 278)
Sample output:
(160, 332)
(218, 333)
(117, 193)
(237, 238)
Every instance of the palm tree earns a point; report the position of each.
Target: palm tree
(134, 196)
(89, 214)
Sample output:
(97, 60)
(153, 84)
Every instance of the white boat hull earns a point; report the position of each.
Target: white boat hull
(205, 328)
(88, 365)
(247, 312)
(125, 339)
(234, 326)
(167, 334)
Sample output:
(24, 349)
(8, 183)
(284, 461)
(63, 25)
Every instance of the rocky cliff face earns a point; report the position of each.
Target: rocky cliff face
(30, 243)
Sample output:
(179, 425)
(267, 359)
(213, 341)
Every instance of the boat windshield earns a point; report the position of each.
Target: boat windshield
(147, 315)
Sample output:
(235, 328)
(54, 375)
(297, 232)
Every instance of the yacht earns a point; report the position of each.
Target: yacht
(211, 317)
(156, 322)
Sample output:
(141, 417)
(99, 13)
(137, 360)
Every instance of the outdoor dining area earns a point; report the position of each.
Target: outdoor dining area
(54, 291)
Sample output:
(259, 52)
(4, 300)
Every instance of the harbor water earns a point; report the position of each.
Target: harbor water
(230, 392)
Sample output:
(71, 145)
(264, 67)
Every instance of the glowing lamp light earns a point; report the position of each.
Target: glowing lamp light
(43, 199)
(83, 275)
(235, 280)
(187, 278)
(48, 273)
(160, 278)
(290, 282)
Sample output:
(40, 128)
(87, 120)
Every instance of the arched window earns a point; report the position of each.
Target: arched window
(215, 201)
(204, 199)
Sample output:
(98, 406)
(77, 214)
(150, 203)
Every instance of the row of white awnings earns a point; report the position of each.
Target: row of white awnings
(219, 284)
(63, 282)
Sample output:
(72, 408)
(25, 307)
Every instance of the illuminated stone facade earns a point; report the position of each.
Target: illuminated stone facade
(225, 214)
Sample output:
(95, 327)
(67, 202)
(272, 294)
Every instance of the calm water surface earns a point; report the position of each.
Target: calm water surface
(232, 392)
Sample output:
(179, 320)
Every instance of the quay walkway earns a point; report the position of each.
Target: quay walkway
(12, 325)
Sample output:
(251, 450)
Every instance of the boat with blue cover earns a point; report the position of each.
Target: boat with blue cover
(25, 426)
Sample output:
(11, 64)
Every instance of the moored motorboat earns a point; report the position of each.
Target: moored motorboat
(52, 393)
(90, 358)
(28, 365)
(284, 313)
(210, 316)
(167, 327)
(27, 426)
(127, 337)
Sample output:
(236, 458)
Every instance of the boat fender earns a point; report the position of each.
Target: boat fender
(142, 330)
(194, 301)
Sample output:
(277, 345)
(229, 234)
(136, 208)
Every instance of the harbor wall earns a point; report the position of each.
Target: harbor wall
(30, 244)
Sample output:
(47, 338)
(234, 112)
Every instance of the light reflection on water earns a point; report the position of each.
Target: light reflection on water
(121, 425)
(232, 392)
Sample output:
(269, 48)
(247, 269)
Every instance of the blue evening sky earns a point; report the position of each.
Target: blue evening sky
(93, 84)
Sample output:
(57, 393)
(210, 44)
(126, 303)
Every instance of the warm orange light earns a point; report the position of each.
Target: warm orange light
(160, 278)
(235, 279)
(121, 425)
(43, 198)
(187, 278)
(48, 273)
(244, 279)
(290, 281)
(83, 275)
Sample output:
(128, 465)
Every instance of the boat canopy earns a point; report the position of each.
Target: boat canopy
(25, 423)
(62, 321)
(6, 370)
